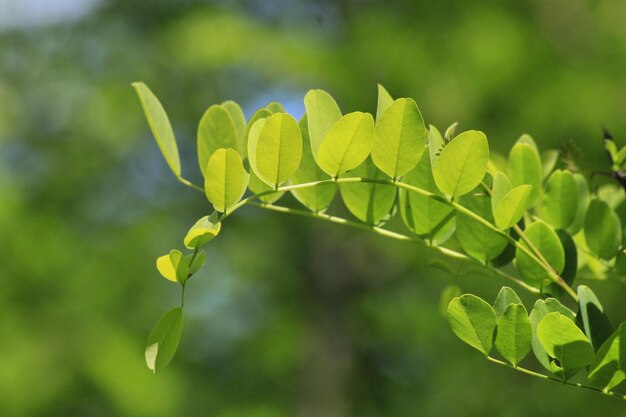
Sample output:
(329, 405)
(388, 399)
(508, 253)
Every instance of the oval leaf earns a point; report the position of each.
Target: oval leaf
(609, 368)
(400, 138)
(591, 317)
(257, 186)
(546, 241)
(514, 334)
(276, 151)
(525, 167)
(473, 321)
(603, 230)
(347, 144)
(560, 201)
(215, 131)
(160, 126)
(239, 120)
(384, 101)
(173, 266)
(226, 179)
(163, 340)
(505, 298)
(202, 233)
(322, 113)
(462, 164)
(541, 309)
(508, 203)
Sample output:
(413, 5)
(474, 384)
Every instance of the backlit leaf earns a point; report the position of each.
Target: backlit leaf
(508, 204)
(384, 101)
(163, 340)
(592, 318)
(546, 241)
(473, 321)
(603, 230)
(215, 131)
(525, 167)
(609, 368)
(322, 113)
(506, 297)
(202, 233)
(541, 309)
(560, 201)
(226, 180)
(514, 334)
(173, 266)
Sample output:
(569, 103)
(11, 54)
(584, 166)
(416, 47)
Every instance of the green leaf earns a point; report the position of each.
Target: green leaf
(549, 160)
(426, 217)
(347, 144)
(226, 180)
(322, 113)
(196, 263)
(215, 131)
(582, 190)
(319, 197)
(514, 334)
(384, 101)
(560, 201)
(257, 186)
(446, 296)
(541, 309)
(275, 153)
(565, 342)
(239, 120)
(435, 145)
(571, 264)
(173, 266)
(476, 239)
(258, 115)
(462, 164)
(506, 297)
(370, 203)
(163, 340)
(609, 368)
(591, 317)
(603, 230)
(160, 125)
(525, 167)
(275, 107)
(611, 194)
(508, 203)
(546, 241)
(473, 321)
(201, 233)
(400, 138)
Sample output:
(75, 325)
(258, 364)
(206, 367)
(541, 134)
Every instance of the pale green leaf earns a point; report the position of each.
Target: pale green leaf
(226, 179)
(384, 101)
(560, 200)
(462, 164)
(215, 131)
(514, 334)
(160, 125)
(435, 145)
(275, 107)
(546, 241)
(549, 160)
(508, 204)
(239, 120)
(525, 167)
(541, 309)
(565, 342)
(506, 297)
(173, 266)
(201, 233)
(322, 113)
(603, 230)
(400, 138)
(257, 186)
(163, 340)
(257, 115)
(473, 321)
(347, 144)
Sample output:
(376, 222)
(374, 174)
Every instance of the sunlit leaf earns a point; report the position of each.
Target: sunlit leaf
(160, 126)
(462, 163)
(549, 160)
(197, 262)
(609, 368)
(275, 107)
(384, 101)
(514, 334)
(257, 186)
(173, 266)
(473, 321)
(202, 233)
(525, 167)
(508, 203)
(603, 230)
(506, 297)
(163, 340)
(582, 191)
(435, 145)
(259, 114)
(546, 241)
(215, 131)
(226, 180)
(322, 113)
(560, 201)
(239, 120)
(400, 138)
(541, 309)
(592, 318)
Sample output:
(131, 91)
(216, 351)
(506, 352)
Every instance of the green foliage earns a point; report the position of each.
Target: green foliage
(202, 232)
(473, 321)
(508, 204)
(215, 131)
(173, 266)
(543, 238)
(524, 167)
(603, 230)
(514, 334)
(322, 114)
(609, 368)
(163, 340)
(226, 179)
(462, 163)
(591, 317)
(560, 201)
(540, 310)
(505, 298)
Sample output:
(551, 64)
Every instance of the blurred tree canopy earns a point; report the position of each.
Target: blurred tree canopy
(300, 318)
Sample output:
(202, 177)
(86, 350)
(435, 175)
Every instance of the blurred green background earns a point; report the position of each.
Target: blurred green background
(292, 317)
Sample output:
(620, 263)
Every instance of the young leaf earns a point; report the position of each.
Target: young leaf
(239, 120)
(226, 179)
(514, 334)
(196, 263)
(524, 167)
(400, 138)
(370, 203)
(173, 266)
(384, 101)
(428, 218)
(603, 230)
(560, 201)
(347, 144)
(609, 368)
(541, 309)
(591, 317)
(435, 145)
(275, 153)
(565, 342)
(322, 113)
(259, 114)
(476, 239)
(508, 204)
(473, 321)
(546, 241)
(506, 297)
(215, 131)
(160, 125)
(163, 340)
(258, 186)
(317, 198)
(462, 164)
(201, 233)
